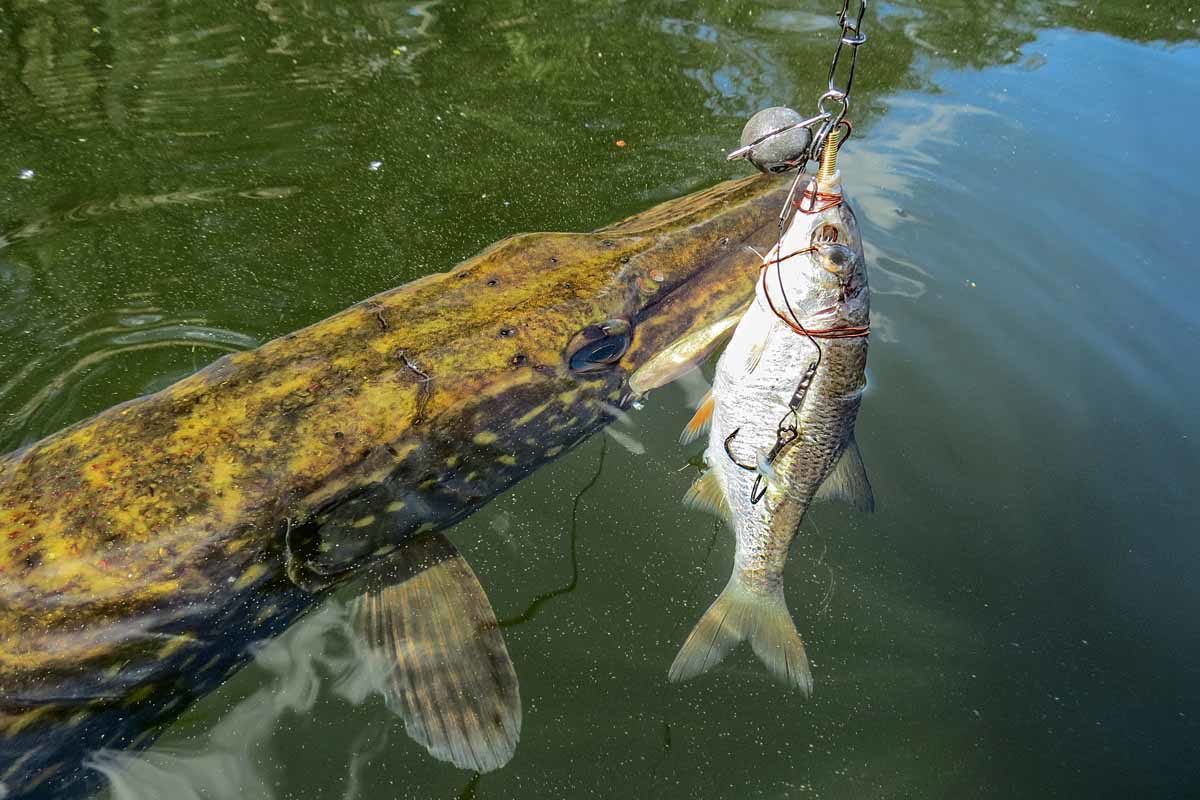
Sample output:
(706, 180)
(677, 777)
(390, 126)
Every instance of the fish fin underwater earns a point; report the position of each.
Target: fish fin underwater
(700, 422)
(706, 494)
(447, 672)
(739, 614)
(847, 481)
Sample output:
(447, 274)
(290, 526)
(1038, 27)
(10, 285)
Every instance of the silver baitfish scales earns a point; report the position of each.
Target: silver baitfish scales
(782, 412)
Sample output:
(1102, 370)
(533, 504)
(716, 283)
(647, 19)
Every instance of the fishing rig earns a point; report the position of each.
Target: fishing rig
(777, 140)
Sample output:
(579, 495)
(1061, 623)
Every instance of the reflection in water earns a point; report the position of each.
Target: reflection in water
(152, 66)
(99, 344)
(748, 77)
(531, 611)
(327, 651)
(227, 765)
(48, 223)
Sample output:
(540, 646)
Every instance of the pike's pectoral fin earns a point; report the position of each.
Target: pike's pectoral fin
(447, 672)
(700, 421)
(739, 614)
(848, 482)
(706, 494)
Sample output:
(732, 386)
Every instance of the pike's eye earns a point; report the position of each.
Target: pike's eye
(599, 346)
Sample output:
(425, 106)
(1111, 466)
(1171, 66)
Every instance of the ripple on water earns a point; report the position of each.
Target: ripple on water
(191, 63)
(48, 222)
(15, 279)
(105, 357)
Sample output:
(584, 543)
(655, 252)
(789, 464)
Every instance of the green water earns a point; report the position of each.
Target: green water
(1019, 618)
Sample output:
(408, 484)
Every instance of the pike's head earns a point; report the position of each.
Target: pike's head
(686, 267)
(506, 362)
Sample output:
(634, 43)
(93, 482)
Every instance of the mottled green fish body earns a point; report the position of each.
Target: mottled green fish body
(143, 549)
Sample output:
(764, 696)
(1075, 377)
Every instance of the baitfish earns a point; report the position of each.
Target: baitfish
(142, 551)
(781, 412)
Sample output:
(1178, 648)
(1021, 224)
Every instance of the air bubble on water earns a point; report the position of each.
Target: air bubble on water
(375, 166)
(26, 174)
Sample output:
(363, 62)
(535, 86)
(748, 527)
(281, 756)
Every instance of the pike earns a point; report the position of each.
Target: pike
(781, 413)
(142, 551)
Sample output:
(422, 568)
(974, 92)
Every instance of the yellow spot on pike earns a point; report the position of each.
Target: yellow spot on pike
(395, 505)
(531, 414)
(452, 461)
(363, 522)
(175, 643)
(553, 451)
(253, 573)
(139, 694)
(11, 726)
(507, 459)
(485, 438)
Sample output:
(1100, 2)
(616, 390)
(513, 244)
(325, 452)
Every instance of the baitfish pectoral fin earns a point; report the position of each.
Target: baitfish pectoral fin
(848, 482)
(700, 421)
(447, 671)
(706, 494)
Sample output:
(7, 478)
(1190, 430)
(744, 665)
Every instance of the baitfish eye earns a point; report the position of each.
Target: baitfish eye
(835, 257)
(599, 346)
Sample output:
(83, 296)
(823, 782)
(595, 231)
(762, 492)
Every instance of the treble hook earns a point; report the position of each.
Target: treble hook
(732, 457)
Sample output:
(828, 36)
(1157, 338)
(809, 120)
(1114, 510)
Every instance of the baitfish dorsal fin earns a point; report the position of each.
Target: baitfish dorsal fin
(847, 481)
(706, 494)
(700, 421)
(447, 671)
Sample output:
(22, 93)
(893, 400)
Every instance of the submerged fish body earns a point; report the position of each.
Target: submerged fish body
(782, 413)
(143, 550)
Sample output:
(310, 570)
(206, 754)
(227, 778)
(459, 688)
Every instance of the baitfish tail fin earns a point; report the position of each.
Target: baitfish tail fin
(739, 614)
(848, 481)
(449, 675)
(700, 421)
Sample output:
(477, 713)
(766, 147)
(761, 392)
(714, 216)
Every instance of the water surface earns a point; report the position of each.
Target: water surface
(180, 180)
